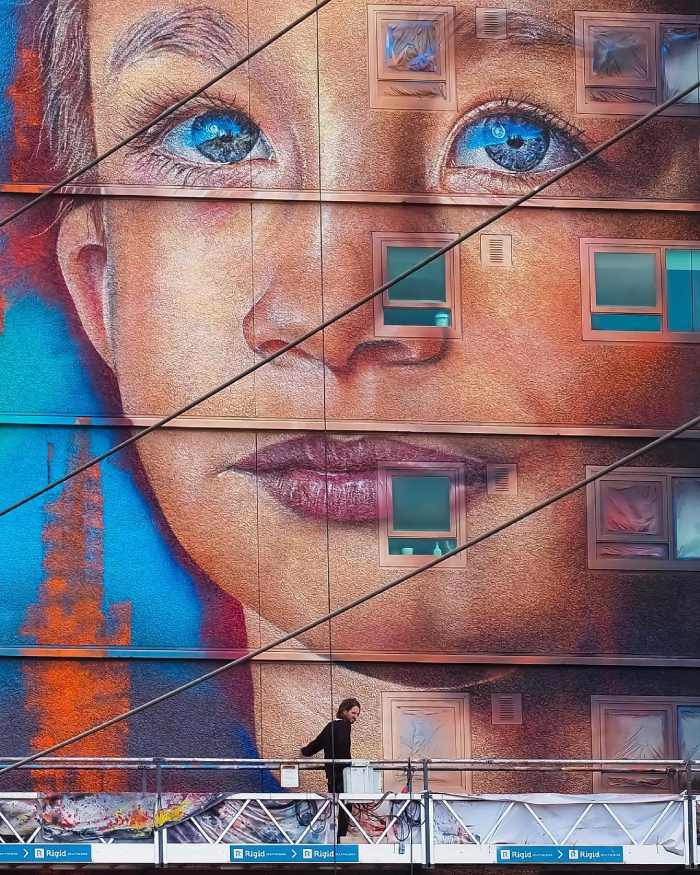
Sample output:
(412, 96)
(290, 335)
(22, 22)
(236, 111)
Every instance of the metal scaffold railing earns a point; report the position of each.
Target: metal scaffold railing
(245, 817)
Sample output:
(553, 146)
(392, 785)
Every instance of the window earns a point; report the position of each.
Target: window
(421, 512)
(643, 728)
(425, 304)
(644, 519)
(411, 57)
(640, 290)
(628, 63)
(426, 726)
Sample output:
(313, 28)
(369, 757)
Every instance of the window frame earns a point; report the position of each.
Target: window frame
(381, 241)
(445, 81)
(653, 23)
(589, 246)
(599, 705)
(457, 474)
(595, 535)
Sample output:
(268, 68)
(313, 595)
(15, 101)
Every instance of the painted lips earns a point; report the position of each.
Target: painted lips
(315, 475)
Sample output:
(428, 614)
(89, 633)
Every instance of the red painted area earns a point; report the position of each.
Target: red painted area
(25, 94)
(67, 696)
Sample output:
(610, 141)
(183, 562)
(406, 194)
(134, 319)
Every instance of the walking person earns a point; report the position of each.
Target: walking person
(334, 741)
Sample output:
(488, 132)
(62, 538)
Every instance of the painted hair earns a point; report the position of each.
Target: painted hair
(67, 119)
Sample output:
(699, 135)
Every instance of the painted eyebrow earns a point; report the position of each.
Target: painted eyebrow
(200, 33)
(527, 30)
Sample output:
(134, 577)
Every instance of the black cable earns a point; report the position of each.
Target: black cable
(367, 298)
(159, 118)
(305, 811)
(337, 612)
(409, 819)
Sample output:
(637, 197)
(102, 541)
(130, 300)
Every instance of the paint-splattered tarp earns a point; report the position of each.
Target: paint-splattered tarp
(190, 817)
(19, 818)
(69, 817)
(240, 821)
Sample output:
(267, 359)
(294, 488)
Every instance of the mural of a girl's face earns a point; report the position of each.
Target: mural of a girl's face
(177, 295)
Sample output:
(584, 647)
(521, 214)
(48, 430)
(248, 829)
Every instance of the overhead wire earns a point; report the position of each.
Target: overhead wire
(326, 323)
(337, 612)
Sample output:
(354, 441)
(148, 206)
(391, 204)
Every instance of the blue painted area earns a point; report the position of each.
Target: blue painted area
(139, 565)
(294, 853)
(530, 854)
(42, 370)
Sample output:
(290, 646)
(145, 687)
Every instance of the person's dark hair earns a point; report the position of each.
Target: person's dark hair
(346, 705)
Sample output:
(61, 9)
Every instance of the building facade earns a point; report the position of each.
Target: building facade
(555, 341)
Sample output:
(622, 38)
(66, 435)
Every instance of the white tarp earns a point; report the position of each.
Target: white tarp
(548, 819)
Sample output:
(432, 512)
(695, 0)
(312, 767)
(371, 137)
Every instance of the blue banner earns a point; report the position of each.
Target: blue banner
(294, 854)
(45, 853)
(559, 854)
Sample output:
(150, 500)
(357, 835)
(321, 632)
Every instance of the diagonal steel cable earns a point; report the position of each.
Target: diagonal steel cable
(535, 508)
(162, 115)
(361, 302)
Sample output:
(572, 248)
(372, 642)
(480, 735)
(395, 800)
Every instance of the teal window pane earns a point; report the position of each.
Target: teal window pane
(427, 284)
(679, 289)
(420, 546)
(417, 316)
(625, 322)
(421, 503)
(625, 279)
(695, 279)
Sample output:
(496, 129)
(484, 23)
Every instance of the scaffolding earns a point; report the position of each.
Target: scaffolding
(154, 826)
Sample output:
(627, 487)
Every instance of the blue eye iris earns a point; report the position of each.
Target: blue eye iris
(224, 136)
(513, 141)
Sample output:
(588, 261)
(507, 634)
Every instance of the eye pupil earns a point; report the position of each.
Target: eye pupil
(517, 143)
(224, 137)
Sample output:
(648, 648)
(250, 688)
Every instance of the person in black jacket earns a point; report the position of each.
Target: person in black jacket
(334, 741)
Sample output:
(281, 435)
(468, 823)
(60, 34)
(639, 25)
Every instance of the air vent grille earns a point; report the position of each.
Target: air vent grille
(490, 23)
(502, 479)
(496, 250)
(506, 709)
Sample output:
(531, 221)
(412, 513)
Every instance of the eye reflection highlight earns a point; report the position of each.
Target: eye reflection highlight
(513, 138)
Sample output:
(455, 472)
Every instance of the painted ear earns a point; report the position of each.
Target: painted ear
(82, 255)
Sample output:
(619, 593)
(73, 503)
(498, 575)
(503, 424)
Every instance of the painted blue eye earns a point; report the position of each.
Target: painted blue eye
(218, 137)
(513, 141)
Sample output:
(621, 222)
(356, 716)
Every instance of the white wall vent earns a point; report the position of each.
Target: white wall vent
(502, 479)
(490, 23)
(496, 250)
(506, 709)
